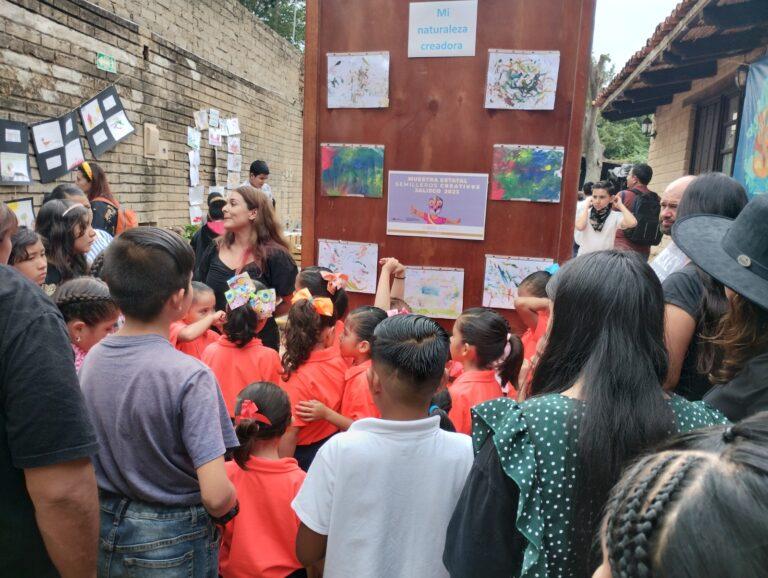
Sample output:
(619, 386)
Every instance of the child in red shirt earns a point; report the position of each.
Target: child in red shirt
(532, 306)
(261, 539)
(238, 357)
(192, 334)
(313, 369)
(357, 401)
(322, 282)
(483, 343)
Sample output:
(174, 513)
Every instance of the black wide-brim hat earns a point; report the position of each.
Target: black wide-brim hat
(735, 252)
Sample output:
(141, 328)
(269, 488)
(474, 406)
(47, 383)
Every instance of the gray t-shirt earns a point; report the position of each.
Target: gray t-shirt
(158, 415)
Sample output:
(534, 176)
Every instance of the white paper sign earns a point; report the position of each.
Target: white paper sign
(53, 162)
(438, 29)
(13, 135)
(99, 137)
(68, 126)
(109, 102)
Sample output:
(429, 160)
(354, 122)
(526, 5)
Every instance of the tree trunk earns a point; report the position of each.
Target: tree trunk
(591, 145)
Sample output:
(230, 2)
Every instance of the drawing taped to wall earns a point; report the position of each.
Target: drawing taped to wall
(527, 173)
(435, 292)
(523, 80)
(358, 80)
(504, 274)
(351, 170)
(356, 260)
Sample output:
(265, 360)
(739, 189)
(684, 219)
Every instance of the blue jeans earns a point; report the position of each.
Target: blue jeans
(141, 540)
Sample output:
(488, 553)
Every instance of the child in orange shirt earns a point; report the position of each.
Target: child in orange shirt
(192, 334)
(532, 306)
(238, 357)
(322, 282)
(357, 401)
(313, 369)
(483, 343)
(261, 539)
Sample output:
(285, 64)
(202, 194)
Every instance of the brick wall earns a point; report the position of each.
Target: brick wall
(174, 57)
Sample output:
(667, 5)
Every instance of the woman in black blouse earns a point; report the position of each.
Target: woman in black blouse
(253, 241)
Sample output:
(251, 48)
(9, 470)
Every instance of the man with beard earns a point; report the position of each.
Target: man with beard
(670, 259)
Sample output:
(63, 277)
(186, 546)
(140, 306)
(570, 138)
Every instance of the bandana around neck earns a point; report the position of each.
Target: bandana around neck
(598, 218)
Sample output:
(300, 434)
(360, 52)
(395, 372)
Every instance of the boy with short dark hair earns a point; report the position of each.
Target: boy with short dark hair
(378, 497)
(160, 419)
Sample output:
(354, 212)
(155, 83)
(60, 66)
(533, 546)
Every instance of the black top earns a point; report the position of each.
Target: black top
(685, 290)
(201, 241)
(53, 275)
(43, 419)
(279, 273)
(104, 216)
(746, 394)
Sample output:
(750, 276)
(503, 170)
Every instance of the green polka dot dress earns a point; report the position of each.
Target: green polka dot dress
(536, 450)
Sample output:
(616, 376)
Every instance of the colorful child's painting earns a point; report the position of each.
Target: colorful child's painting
(350, 170)
(358, 80)
(449, 205)
(24, 210)
(356, 260)
(435, 292)
(522, 80)
(527, 173)
(503, 276)
(751, 163)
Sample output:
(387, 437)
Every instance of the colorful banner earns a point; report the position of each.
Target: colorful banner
(448, 205)
(751, 165)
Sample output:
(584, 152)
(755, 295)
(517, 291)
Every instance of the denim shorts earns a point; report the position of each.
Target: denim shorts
(141, 540)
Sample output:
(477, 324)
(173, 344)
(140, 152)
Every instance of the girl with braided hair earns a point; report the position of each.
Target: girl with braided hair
(699, 508)
(89, 311)
(261, 540)
(549, 463)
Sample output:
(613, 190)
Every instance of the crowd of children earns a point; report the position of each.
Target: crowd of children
(351, 454)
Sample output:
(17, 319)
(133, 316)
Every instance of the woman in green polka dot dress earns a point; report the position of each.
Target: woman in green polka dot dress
(543, 468)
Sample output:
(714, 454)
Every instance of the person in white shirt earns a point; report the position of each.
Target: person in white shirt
(597, 223)
(378, 498)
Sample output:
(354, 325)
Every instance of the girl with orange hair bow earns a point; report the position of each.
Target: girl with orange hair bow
(313, 369)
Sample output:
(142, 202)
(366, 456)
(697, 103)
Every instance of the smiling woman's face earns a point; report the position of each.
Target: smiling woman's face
(237, 215)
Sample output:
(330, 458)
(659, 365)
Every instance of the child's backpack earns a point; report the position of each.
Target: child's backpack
(646, 209)
(126, 218)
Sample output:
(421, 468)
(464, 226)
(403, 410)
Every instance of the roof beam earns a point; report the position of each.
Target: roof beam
(737, 15)
(652, 92)
(626, 105)
(717, 45)
(679, 74)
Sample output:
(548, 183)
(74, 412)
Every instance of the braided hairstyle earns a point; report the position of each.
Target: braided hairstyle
(85, 299)
(669, 514)
(273, 403)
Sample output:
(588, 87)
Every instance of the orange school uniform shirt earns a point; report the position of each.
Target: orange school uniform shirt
(261, 539)
(338, 331)
(531, 337)
(321, 377)
(236, 368)
(357, 401)
(470, 389)
(195, 347)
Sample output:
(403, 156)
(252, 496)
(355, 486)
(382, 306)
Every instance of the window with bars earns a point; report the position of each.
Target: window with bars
(716, 131)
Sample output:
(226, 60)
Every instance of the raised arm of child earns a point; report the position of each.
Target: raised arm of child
(583, 217)
(384, 291)
(629, 220)
(314, 410)
(198, 328)
(528, 307)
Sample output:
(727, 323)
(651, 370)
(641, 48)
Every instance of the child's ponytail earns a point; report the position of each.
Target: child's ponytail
(263, 412)
(85, 299)
(242, 322)
(312, 278)
(495, 345)
(304, 329)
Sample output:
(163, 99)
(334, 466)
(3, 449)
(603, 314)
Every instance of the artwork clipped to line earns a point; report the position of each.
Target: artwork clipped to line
(234, 162)
(231, 126)
(214, 137)
(196, 195)
(213, 118)
(24, 210)
(201, 119)
(358, 80)
(352, 170)
(57, 146)
(193, 138)
(522, 80)
(105, 121)
(233, 180)
(356, 260)
(527, 173)
(194, 167)
(195, 214)
(504, 274)
(434, 291)
(448, 205)
(233, 145)
(14, 160)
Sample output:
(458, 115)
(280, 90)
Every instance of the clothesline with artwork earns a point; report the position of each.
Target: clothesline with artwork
(57, 143)
(210, 119)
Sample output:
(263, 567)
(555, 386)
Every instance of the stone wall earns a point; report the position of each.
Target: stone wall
(174, 57)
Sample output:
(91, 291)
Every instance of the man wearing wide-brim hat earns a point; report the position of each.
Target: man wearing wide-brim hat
(735, 252)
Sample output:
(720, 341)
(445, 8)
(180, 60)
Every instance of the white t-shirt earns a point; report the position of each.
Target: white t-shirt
(590, 240)
(383, 492)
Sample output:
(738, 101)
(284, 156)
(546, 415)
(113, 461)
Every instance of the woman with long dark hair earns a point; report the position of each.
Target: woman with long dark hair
(108, 215)
(253, 241)
(735, 253)
(695, 301)
(544, 467)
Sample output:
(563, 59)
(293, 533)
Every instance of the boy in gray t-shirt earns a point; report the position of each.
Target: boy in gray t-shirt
(161, 423)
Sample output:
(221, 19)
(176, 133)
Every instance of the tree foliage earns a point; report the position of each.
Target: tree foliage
(280, 15)
(624, 139)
